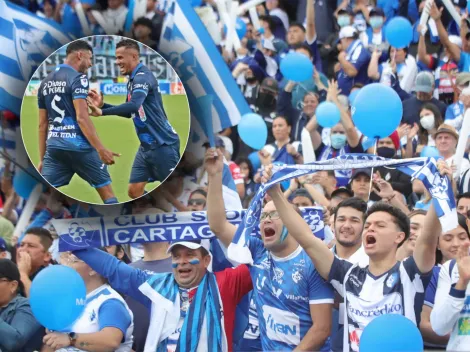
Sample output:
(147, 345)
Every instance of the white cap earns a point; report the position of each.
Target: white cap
(347, 32)
(188, 244)
(268, 44)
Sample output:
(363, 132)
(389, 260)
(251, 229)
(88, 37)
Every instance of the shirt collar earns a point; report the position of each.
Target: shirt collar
(136, 69)
(66, 65)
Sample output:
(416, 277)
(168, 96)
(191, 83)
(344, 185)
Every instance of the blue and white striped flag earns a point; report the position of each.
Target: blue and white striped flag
(25, 41)
(424, 169)
(187, 46)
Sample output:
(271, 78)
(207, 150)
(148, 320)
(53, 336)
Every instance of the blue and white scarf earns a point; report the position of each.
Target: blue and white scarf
(424, 169)
(205, 314)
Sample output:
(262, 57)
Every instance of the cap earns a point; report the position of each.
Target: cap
(347, 32)
(270, 84)
(377, 11)
(9, 270)
(188, 244)
(340, 190)
(444, 128)
(424, 82)
(3, 245)
(301, 192)
(268, 44)
(357, 172)
(396, 140)
(219, 143)
(346, 10)
(463, 78)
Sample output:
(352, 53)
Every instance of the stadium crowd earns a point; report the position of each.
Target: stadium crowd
(387, 253)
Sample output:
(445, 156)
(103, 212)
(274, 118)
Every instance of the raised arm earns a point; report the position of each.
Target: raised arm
(43, 128)
(373, 69)
(310, 28)
(321, 256)
(453, 49)
(422, 53)
(219, 225)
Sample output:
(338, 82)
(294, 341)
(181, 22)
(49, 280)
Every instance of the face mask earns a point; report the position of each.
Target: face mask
(427, 121)
(338, 140)
(344, 20)
(386, 152)
(376, 21)
(251, 80)
(266, 100)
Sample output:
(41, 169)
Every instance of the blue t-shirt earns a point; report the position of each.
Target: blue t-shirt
(431, 290)
(70, 22)
(358, 56)
(284, 289)
(56, 95)
(464, 63)
(144, 105)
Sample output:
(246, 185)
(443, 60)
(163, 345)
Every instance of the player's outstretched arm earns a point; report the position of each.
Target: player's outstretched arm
(321, 256)
(214, 165)
(88, 129)
(43, 128)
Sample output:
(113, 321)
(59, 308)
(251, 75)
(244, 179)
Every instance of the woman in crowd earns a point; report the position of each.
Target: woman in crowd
(105, 325)
(19, 330)
(246, 168)
(447, 249)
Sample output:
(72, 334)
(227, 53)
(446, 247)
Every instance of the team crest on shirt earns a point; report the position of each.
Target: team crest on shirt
(278, 274)
(84, 81)
(296, 276)
(392, 280)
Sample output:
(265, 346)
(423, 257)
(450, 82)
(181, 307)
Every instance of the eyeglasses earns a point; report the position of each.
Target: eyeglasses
(273, 215)
(196, 202)
(69, 258)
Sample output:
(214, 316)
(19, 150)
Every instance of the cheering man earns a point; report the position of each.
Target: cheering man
(68, 142)
(401, 284)
(158, 154)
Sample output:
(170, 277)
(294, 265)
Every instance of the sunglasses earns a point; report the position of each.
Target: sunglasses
(196, 202)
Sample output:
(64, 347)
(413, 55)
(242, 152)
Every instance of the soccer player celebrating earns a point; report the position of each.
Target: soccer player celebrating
(293, 302)
(159, 153)
(401, 285)
(68, 142)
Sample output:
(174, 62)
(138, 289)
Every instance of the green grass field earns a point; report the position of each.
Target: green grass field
(117, 134)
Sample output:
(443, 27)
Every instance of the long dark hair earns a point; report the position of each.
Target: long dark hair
(462, 223)
(423, 134)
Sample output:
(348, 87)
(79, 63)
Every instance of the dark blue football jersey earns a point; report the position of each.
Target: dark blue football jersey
(56, 95)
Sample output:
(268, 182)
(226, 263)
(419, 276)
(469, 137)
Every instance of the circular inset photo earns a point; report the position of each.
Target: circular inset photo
(105, 119)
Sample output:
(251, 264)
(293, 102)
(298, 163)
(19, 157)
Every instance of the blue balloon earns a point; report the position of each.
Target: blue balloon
(430, 152)
(255, 161)
(353, 95)
(377, 110)
(399, 32)
(24, 183)
(253, 131)
(58, 296)
(327, 114)
(391, 332)
(240, 28)
(261, 30)
(296, 67)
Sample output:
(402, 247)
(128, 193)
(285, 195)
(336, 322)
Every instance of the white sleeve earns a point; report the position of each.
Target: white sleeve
(447, 304)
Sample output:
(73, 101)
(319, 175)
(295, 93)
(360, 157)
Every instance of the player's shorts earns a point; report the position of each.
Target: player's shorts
(59, 166)
(155, 163)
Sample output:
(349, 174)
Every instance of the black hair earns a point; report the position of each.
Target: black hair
(400, 218)
(247, 162)
(199, 191)
(353, 202)
(463, 195)
(358, 85)
(9, 271)
(78, 45)
(128, 44)
(285, 119)
(146, 199)
(462, 220)
(44, 235)
(303, 46)
(423, 134)
(417, 212)
(269, 20)
(299, 25)
(143, 21)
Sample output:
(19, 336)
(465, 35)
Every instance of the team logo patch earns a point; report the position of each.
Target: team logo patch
(84, 81)
(296, 276)
(392, 280)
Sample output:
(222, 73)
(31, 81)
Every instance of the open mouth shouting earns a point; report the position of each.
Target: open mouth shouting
(269, 232)
(370, 241)
(185, 272)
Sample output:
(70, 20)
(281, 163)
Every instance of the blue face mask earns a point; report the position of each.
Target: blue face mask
(344, 20)
(376, 21)
(338, 140)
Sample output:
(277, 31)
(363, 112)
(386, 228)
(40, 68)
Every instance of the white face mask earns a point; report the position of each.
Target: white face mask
(427, 121)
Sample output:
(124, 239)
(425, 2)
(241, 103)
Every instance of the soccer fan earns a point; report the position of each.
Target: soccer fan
(183, 292)
(402, 283)
(158, 153)
(106, 323)
(293, 302)
(68, 142)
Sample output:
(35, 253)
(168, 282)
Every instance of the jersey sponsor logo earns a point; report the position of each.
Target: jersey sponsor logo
(362, 311)
(251, 332)
(297, 276)
(464, 326)
(260, 284)
(278, 274)
(297, 298)
(142, 115)
(301, 262)
(81, 91)
(144, 86)
(54, 87)
(354, 280)
(281, 325)
(277, 292)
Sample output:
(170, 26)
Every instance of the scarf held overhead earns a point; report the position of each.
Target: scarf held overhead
(424, 169)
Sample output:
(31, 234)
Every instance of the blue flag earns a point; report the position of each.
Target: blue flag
(25, 41)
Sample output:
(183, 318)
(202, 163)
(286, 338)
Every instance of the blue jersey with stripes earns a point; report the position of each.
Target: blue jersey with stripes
(56, 95)
(151, 123)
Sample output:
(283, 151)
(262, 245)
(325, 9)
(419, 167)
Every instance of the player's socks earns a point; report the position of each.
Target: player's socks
(111, 201)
